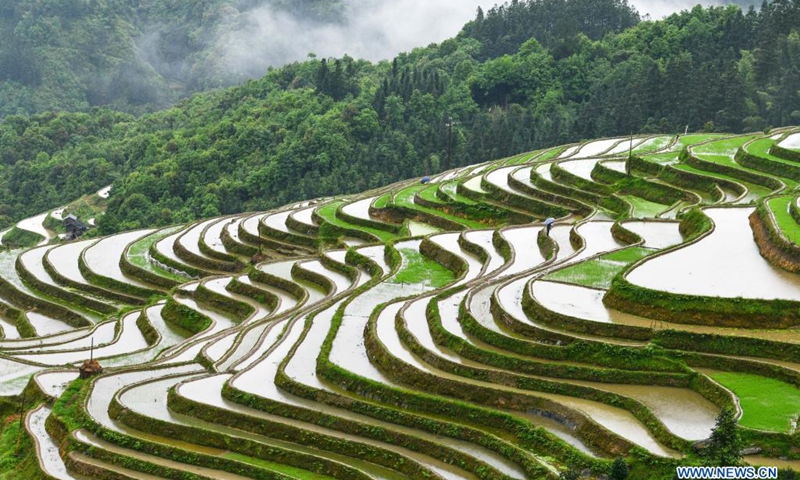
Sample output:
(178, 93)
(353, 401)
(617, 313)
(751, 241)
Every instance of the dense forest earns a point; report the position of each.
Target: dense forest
(135, 56)
(521, 76)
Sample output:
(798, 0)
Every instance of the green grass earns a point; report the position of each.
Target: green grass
(138, 254)
(628, 255)
(19, 238)
(405, 198)
(725, 148)
(779, 207)
(658, 144)
(451, 188)
(418, 268)
(599, 272)
(757, 191)
(767, 404)
(643, 208)
(382, 201)
(293, 472)
(328, 213)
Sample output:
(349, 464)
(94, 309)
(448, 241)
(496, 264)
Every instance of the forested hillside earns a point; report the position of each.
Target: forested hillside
(526, 75)
(135, 56)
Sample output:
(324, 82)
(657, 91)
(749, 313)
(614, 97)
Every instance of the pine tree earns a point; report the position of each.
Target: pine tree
(726, 445)
(619, 469)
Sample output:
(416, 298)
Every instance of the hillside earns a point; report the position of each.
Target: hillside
(428, 330)
(328, 126)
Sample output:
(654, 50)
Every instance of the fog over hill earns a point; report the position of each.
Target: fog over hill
(372, 29)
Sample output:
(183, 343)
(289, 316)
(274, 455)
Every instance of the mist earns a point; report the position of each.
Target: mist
(245, 44)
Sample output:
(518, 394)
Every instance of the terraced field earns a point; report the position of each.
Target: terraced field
(429, 331)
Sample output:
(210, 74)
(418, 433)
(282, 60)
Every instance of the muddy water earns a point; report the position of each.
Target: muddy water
(64, 259)
(376, 254)
(340, 281)
(569, 151)
(105, 387)
(302, 368)
(220, 347)
(416, 229)
(46, 448)
(581, 168)
(282, 269)
(233, 229)
(166, 246)
(36, 225)
(101, 335)
(213, 236)
(45, 325)
(510, 298)
(191, 239)
(277, 221)
(658, 235)
(9, 331)
(792, 142)
(596, 148)
(33, 262)
(14, 376)
(474, 184)
(615, 419)
(625, 146)
(87, 438)
(353, 242)
(483, 238)
(27, 343)
(170, 336)
(219, 285)
(187, 350)
(598, 239)
(616, 165)
(206, 391)
(526, 250)
(359, 209)
(499, 177)
(544, 171)
(772, 462)
(103, 257)
(250, 225)
(285, 301)
(53, 383)
(305, 215)
(726, 263)
(249, 351)
(130, 340)
(449, 241)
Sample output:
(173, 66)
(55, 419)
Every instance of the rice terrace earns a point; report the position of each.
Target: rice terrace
(531, 317)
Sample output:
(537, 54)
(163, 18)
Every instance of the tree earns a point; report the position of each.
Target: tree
(569, 475)
(619, 469)
(725, 446)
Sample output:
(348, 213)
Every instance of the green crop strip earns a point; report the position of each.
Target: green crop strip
(779, 207)
(767, 404)
(277, 467)
(405, 198)
(599, 272)
(328, 212)
(417, 268)
(137, 254)
(643, 208)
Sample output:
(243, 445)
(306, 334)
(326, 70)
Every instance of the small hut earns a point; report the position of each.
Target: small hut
(90, 368)
(75, 228)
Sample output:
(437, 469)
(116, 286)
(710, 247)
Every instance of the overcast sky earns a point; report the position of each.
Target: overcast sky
(380, 30)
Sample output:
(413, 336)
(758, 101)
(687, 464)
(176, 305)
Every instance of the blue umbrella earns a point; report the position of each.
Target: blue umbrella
(426, 179)
(550, 221)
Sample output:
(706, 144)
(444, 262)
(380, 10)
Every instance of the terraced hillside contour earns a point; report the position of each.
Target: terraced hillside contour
(428, 330)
